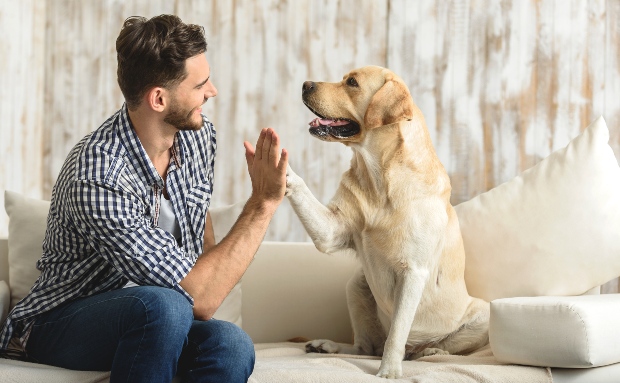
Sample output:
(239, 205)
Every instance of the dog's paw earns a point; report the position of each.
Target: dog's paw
(323, 346)
(292, 181)
(390, 370)
(431, 351)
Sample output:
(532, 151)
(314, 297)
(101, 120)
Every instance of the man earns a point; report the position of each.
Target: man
(130, 273)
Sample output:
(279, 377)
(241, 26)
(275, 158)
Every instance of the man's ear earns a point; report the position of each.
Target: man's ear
(392, 103)
(157, 99)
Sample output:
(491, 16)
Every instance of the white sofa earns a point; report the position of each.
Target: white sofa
(282, 298)
(534, 245)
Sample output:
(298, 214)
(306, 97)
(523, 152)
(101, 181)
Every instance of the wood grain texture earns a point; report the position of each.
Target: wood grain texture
(504, 83)
(21, 100)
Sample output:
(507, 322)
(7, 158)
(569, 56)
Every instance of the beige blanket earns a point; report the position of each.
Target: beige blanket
(288, 363)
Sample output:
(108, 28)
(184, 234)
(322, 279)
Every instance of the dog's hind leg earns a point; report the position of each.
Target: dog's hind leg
(368, 334)
(473, 333)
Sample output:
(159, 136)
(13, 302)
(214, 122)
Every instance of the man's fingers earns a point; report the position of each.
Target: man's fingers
(274, 150)
(260, 143)
(283, 165)
(249, 153)
(267, 144)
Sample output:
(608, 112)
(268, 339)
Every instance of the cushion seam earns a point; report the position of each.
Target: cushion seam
(583, 323)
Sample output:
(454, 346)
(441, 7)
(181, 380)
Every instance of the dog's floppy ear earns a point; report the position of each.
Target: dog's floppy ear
(392, 103)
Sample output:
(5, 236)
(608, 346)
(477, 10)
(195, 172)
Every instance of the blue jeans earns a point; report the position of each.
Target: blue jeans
(141, 334)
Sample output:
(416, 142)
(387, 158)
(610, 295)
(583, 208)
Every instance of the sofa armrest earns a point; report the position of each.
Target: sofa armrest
(5, 300)
(568, 332)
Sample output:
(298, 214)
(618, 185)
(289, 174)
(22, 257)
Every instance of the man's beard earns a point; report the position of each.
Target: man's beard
(180, 118)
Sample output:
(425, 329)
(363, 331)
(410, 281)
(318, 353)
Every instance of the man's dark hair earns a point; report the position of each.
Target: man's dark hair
(152, 53)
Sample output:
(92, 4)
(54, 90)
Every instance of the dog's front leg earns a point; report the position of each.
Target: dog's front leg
(408, 292)
(323, 225)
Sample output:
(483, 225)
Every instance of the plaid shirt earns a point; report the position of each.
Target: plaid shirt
(102, 225)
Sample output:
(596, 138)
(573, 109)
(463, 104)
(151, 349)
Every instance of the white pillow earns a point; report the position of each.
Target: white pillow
(27, 224)
(553, 230)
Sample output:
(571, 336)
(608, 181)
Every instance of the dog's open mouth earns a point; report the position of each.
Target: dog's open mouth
(337, 128)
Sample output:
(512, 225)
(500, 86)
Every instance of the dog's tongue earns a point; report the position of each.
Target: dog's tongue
(325, 122)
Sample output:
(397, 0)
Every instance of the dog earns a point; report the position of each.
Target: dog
(392, 207)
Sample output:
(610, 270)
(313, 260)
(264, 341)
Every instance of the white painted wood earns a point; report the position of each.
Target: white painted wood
(21, 99)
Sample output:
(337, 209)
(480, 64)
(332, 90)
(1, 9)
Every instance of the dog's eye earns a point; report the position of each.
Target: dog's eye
(351, 82)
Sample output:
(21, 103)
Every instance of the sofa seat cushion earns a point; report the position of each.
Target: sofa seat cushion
(25, 372)
(288, 362)
(569, 332)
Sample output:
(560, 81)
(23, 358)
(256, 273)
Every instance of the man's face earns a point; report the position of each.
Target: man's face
(188, 97)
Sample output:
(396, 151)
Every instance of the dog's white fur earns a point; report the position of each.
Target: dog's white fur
(392, 207)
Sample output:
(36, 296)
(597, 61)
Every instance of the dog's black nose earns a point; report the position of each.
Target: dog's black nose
(308, 86)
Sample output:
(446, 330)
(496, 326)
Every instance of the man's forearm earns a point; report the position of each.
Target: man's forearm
(218, 270)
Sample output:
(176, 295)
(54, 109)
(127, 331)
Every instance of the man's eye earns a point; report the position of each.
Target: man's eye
(351, 82)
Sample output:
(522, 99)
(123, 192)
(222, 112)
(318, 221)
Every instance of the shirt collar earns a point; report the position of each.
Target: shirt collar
(138, 156)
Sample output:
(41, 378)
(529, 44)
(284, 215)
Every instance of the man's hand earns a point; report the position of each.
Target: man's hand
(267, 167)
(221, 266)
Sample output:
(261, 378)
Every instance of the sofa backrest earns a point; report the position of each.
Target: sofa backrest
(4, 260)
(292, 289)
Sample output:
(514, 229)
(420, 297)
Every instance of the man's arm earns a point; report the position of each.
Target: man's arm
(220, 267)
(209, 237)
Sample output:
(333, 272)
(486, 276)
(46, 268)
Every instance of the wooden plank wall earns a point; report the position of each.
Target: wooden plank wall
(22, 66)
(502, 83)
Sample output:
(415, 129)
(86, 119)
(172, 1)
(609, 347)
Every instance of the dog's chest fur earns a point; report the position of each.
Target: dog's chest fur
(397, 206)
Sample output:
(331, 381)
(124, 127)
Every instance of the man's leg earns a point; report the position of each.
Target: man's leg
(217, 351)
(137, 333)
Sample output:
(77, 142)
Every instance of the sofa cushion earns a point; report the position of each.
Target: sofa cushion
(223, 219)
(553, 230)
(5, 300)
(27, 224)
(26, 372)
(572, 332)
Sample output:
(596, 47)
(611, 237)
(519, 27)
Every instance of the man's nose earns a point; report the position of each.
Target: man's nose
(210, 91)
(308, 87)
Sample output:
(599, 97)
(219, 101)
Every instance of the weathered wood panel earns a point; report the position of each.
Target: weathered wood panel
(504, 83)
(21, 99)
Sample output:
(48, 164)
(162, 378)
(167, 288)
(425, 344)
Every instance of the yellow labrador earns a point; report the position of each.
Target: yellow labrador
(393, 208)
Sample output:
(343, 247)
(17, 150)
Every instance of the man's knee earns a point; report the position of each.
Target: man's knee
(224, 344)
(229, 336)
(162, 308)
(236, 339)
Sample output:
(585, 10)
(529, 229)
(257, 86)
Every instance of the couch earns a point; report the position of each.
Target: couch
(537, 248)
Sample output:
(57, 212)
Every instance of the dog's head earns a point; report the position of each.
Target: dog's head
(365, 99)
